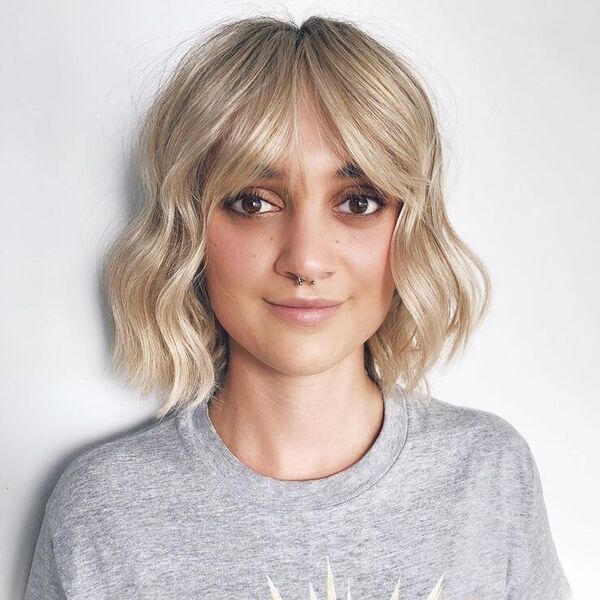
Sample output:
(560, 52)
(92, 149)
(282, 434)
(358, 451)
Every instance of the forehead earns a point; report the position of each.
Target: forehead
(348, 171)
(305, 175)
(312, 152)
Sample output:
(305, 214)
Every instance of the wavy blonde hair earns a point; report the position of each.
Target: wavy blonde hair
(226, 110)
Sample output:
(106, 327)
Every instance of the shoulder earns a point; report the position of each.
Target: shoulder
(111, 472)
(464, 430)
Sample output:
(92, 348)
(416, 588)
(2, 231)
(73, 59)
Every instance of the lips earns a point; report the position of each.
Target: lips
(305, 315)
(299, 302)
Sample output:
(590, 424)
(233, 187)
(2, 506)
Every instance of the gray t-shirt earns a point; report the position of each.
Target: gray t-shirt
(447, 503)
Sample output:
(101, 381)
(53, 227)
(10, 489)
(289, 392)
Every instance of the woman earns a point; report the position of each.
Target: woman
(292, 263)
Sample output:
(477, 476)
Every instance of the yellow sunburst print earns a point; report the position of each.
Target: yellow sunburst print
(435, 593)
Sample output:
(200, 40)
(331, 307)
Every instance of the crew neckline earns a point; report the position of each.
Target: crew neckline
(245, 484)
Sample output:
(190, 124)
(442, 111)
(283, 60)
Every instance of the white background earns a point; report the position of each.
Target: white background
(518, 89)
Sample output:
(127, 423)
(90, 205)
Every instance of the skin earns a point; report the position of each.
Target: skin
(297, 402)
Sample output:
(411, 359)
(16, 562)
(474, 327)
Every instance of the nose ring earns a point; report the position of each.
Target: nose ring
(301, 280)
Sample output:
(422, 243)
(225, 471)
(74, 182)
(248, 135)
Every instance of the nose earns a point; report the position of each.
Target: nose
(307, 243)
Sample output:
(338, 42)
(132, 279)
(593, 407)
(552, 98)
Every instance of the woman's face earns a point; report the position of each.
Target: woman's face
(313, 229)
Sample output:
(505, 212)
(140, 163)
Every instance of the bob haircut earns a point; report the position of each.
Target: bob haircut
(225, 112)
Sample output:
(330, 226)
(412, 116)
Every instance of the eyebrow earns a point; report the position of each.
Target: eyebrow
(348, 171)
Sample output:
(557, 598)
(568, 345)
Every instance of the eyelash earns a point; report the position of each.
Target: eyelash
(381, 200)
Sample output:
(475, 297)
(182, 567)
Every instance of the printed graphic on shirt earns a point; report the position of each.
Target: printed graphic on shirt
(435, 593)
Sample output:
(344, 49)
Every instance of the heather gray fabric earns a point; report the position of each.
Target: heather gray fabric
(446, 494)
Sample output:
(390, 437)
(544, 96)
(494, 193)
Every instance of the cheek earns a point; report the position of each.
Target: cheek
(232, 259)
(370, 264)
(227, 264)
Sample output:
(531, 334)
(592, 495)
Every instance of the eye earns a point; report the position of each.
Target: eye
(360, 201)
(250, 202)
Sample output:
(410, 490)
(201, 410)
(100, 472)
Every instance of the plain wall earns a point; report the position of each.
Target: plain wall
(517, 85)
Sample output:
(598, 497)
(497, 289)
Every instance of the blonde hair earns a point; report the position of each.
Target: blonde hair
(226, 110)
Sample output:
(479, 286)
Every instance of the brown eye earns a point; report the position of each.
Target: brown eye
(359, 204)
(363, 204)
(250, 204)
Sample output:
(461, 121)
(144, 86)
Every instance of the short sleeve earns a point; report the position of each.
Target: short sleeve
(44, 581)
(534, 570)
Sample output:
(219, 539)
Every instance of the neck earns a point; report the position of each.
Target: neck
(297, 428)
